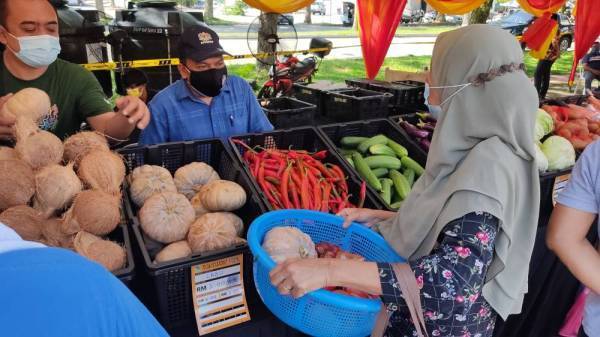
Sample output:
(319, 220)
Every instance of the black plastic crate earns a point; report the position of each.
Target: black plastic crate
(363, 82)
(170, 282)
(287, 112)
(305, 138)
(313, 95)
(335, 132)
(412, 119)
(407, 95)
(121, 236)
(356, 104)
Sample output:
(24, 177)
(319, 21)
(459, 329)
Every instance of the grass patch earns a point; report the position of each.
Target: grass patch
(341, 69)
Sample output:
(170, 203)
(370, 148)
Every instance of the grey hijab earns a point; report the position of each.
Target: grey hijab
(481, 159)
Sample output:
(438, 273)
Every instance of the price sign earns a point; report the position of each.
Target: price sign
(218, 294)
(560, 183)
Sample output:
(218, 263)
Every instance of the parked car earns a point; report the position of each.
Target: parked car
(285, 19)
(317, 8)
(412, 16)
(517, 22)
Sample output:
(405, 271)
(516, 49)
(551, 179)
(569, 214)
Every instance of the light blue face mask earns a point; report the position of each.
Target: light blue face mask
(37, 51)
(436, 110)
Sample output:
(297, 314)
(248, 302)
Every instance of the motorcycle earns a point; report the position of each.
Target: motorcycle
(290, 70)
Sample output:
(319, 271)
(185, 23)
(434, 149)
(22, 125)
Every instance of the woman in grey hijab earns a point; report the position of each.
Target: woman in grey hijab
(467, 229)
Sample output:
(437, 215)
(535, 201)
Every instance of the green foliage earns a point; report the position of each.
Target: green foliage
(239, 8)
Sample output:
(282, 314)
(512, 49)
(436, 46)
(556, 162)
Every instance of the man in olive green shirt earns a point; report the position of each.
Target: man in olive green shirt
(29, 33)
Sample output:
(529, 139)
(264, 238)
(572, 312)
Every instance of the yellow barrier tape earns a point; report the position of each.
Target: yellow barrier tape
(175, 61)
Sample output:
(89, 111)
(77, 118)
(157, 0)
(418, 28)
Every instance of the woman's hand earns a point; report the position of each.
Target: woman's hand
(300, 276)
(366, 216)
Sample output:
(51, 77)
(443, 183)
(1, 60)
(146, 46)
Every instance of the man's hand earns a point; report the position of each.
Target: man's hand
(6, 122)
(135, 110)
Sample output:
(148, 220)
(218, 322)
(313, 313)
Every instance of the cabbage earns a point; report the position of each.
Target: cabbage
(560, 153)
(540, 159)
(543, 124)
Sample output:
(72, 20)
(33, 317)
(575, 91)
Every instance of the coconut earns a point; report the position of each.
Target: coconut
(149, 181)
(166, 217)
(102, 170)
(174, 251)
(107, 253)
(17, 184)
(80, 144)
(93, 211)
(24, 128)
(7, 153)
(29, 102)
(54, 236)
(40, 149)
(55, 188)
(24, 220)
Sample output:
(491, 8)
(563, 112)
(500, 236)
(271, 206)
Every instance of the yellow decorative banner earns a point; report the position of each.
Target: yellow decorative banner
(454, 7)
(279, 6)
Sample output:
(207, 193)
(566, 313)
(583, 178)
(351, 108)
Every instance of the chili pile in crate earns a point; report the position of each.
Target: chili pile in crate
(297, 179)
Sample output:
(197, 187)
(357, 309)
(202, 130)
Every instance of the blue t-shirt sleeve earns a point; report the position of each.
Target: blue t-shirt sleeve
(157, 130)
(585, 59)
(580, 192)
(258, 119)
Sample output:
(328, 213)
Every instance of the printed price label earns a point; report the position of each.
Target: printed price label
(559, 184)
(218, 294)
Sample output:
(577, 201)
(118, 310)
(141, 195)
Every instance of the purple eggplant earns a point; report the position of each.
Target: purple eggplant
(424, 143)
(426, 126)
(426, 117)
(413, 130)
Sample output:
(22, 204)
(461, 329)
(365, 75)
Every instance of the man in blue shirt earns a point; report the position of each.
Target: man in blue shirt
(591, 65)
(206, 102)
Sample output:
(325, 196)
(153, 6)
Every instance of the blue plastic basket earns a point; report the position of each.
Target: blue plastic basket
(319, 313)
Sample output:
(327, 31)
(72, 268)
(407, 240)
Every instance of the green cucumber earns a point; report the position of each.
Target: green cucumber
(413, 165)
(352, 141)
(383, 162)
(395, 196)
(409, 174)
(400, 184)
(365, 145)
(380, 172)
(347, 152)
(363, 169)
(349, 160)
(396, 205)
(386, 190)
(400, 150)
(382, 149)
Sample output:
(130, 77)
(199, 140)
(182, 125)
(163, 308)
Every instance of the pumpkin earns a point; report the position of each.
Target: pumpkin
(102, 170)
(55, 188)
(166, 217)
(173, 251)
(190, 178)
(149, 181)
(197, 204)
(81, 143)
(29, 102)
(93, 211)
(17, 184)
(143, 170)
(222, 195)
(7, 153)
(24, 220)
(210, 232)
(107, 253)
(283, 243)
(40, 149)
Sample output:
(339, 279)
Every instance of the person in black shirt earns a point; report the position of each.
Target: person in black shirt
(591, 65)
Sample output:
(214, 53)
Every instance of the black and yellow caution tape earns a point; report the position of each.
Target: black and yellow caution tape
(175, 61)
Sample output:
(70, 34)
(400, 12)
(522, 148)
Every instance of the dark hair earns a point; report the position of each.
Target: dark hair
(134, 77)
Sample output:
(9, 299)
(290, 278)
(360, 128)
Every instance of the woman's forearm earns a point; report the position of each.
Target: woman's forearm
(354, 274)
(583, 260)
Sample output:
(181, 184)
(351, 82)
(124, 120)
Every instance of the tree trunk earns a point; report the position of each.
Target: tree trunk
(308, 16)
(100, 5)
(268, 26)
(466, 18)
(481, 14)
(208, 10)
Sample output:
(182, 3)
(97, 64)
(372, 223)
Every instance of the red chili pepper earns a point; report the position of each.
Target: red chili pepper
(276, 153)
(304, 194)
(296, 178)
(320, 155)
(270, 172)
(363, 195)
(318, 196)
(326, 194)
(273, 167)
(264, 186)
(295, 198)
(324, 171)
(272, 180)
(284, 187)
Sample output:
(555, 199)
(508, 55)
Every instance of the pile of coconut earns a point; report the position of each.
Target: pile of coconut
(189, 213)
(61, 194)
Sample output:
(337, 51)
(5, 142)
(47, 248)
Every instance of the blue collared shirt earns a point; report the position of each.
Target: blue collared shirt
(178, 115)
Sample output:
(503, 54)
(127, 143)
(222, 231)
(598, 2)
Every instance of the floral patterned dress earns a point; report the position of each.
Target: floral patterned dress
(451, 279)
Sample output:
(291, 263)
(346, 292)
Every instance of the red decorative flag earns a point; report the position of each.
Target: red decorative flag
(537, 33)
(587, 30)
(378, 21)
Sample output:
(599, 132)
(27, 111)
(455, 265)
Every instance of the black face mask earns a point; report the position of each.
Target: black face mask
(208, 82)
